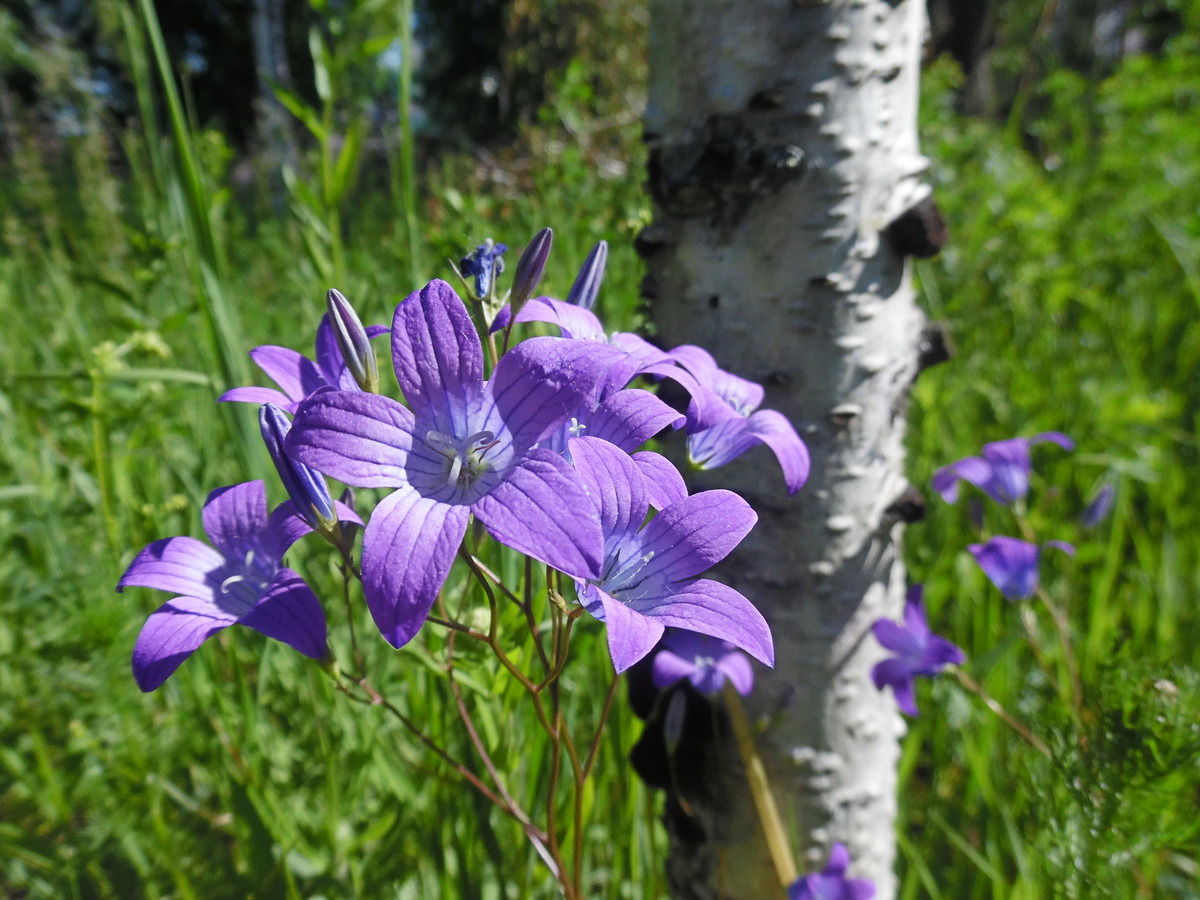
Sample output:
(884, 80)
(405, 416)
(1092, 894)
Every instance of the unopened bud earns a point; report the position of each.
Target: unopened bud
(587, 283)
(352, 340)
(530, 268)
(305, 486)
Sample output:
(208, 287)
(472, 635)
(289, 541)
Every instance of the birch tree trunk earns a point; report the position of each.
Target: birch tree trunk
(782, 145)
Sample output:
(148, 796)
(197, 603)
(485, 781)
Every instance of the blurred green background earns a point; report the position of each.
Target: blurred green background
(164, 210)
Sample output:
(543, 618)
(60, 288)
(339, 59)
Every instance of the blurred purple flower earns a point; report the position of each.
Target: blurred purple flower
(1012, 564)
(703, 660)
(297, 375)
(647, 579)
(831, 883)
(918, 651)
(1002, 472)
(1097, 511)
(241, 581)
(467, 447)
(727, 422)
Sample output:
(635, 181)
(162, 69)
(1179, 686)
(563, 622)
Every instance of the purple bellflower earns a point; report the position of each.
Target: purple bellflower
(831, 883)
(918, 651)
(729, 423)
(1002, 472)
(298, 376)
(239, 580)
(647, 580)
(467, 447)
(703, 660)
(1012, 564)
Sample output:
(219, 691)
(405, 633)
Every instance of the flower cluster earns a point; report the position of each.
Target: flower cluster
(1002, 472)
(542, 448)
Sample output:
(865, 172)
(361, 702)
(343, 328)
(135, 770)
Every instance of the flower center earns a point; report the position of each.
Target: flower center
(251, 582)
(624, 576)
(465, 458)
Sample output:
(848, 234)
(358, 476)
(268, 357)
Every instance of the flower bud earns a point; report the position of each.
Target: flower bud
(305, 486)
(352, 340)
(587, 282)
(530, 268)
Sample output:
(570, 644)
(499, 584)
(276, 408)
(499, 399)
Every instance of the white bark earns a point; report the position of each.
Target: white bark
(782, 138)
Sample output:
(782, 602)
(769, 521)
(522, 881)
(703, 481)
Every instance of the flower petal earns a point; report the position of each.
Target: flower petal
(259, 395)
(736, 667)
(437, 355)
(542, 509)
(541, 381)
(630, 635)
(973, 469)
(631, 417)
(774, 430)
(171, 634)
(1056, 437)
(664, 484)
(408, 549)
(573, 321)
(291, 613)
(716, 609)
(695, 533)
(296, 374)
(614, 482)
(360, 439)
(180, 565)
(1010, 564)
(234, 517)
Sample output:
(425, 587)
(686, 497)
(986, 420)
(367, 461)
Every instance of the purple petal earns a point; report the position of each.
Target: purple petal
(542, 509)
(286, 526)
(1100, 506)
(669, 668)
(710, 448)
(631, 417)
(171, 634)
(437, 355)
(915, 619)
(736, 667)
(289, 612)
(1010, 564)
(180, 565)
(712, 608)
(839, 860)
(664, 484)
(573, 321)
(973, 469)
(329, 357)
(1066, 548)
(1056, 437)
(694, 534)
(542, 380)
(259, 396)
(614, 482)
(1010, 463)
(898, 639)
(296, 375)
(940, 653)
(408, 549)
(234, 516)
(360, 439)
(630, 635)
(774, 430)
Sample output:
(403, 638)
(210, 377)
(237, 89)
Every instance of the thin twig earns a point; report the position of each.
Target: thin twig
(977, 689)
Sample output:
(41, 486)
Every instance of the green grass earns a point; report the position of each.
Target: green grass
(1070, 288)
